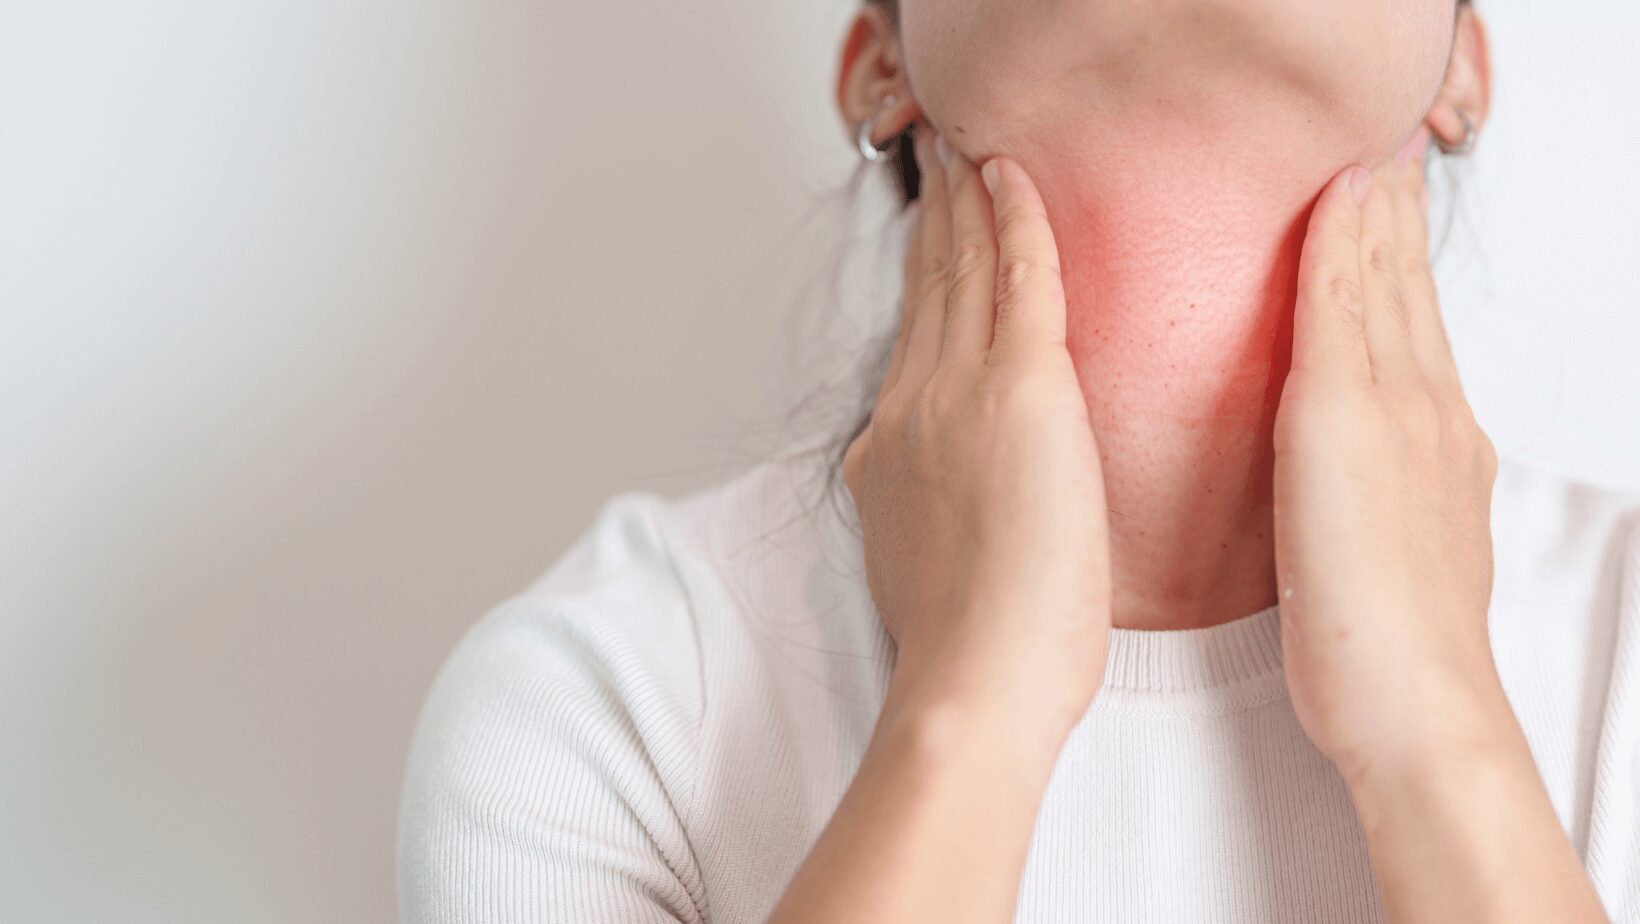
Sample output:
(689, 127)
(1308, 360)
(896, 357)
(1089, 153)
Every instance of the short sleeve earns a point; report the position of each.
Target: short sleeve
(550, 774)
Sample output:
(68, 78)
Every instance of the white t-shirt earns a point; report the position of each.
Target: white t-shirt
(659, 728)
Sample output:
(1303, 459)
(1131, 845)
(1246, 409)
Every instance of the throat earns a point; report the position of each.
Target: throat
(1180, 287)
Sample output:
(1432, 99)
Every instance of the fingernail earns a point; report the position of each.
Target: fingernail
(1360, 184)
(992, 175)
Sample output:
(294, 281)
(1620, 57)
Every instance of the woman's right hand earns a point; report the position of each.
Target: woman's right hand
(978, 479)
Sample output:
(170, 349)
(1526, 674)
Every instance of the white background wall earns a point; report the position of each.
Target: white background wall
(326, 324)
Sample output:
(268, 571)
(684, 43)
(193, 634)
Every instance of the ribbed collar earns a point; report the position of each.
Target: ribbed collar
(1225, 668)
(1195, 659)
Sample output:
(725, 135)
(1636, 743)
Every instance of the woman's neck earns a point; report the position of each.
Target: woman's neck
(1180, 275)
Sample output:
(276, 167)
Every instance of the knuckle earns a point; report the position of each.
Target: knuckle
(1017, 277)
(1382, 258)
(1013, 220)
(1395, 302)
(935, 271)
(968, 262)
(1416, 268)
(1344, 293)
(1345, 231)
(1470, 440)
(936, 402)
(1487, 455)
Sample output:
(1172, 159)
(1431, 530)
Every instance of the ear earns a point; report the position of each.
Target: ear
(873, 70)
(1468, 85)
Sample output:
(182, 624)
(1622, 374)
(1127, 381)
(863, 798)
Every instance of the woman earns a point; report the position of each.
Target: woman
(1185, 586)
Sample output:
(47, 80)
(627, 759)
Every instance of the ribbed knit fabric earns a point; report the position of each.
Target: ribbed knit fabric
(658, 728)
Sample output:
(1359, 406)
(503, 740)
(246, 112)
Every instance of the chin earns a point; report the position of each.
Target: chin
(1271, 85)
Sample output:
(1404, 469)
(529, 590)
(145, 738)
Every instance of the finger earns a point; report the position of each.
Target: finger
(908, 302)
(923, 341)
(1328, 341)
(1384, 316)
(972, 300)
(1030, 292)
(1430, 344)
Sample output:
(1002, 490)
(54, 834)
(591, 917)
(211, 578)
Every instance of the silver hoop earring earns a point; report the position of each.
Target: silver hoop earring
(1464, 147)
(870, 152)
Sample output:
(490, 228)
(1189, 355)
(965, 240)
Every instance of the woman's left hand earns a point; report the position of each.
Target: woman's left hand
(1383, 496)
(1383, 488)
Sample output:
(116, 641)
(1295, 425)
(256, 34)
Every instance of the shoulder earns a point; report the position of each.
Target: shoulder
(555, 749)
(623, 604)
(573, 710)
(555, 712)
(615, 618)
(608, 615)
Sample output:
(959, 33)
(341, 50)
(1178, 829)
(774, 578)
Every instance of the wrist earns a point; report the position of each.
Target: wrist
(1464, 829)
(949, 704)
(1413, 718)
(1457, 739)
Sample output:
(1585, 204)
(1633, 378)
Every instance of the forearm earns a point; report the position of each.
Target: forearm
(937, 822)
(1465, 831)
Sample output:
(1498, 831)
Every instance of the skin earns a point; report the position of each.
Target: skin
(1178, 147)
(1313, 425)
